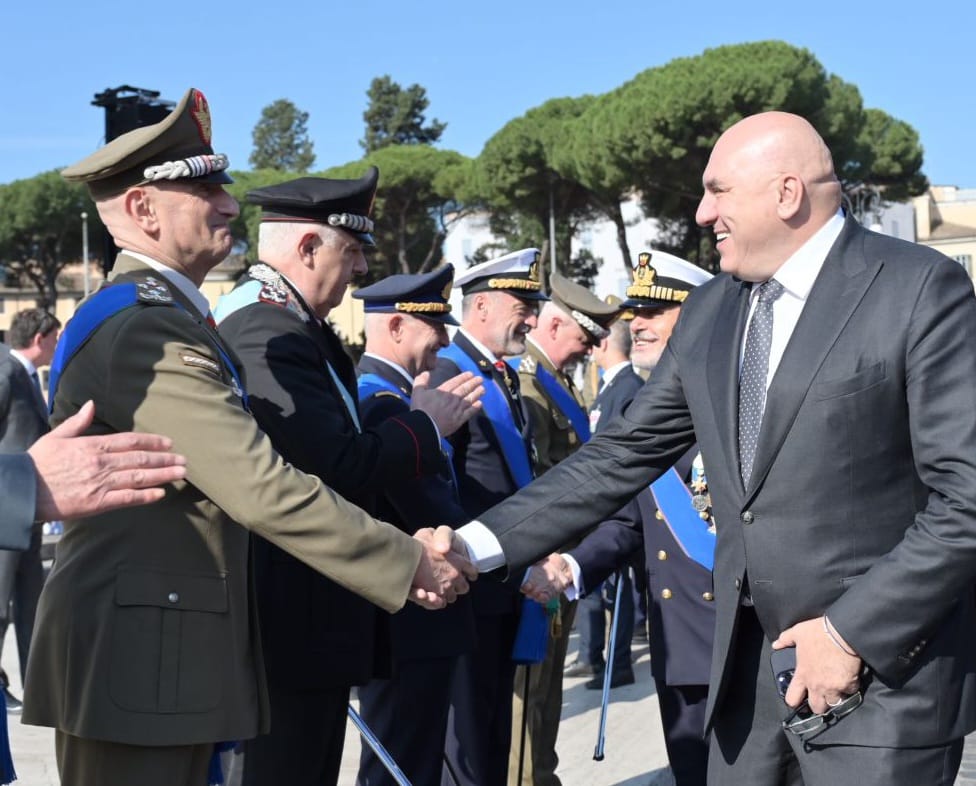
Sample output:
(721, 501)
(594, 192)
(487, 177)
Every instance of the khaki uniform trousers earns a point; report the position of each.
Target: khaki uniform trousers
(545, 704)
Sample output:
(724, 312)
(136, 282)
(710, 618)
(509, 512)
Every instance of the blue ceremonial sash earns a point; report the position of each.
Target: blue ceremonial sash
(370, 384)
(673, 499)
(101, 306)
(495, 406)
(574, 413)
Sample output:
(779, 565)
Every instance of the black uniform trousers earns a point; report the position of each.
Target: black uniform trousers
(476, 751)
(413, 723)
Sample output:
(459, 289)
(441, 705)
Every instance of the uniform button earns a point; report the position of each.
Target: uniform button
(173, 597)
(747, 517)
(658, 515)
(662, 555)
(708, 596)
(666, 593)
(738, 584)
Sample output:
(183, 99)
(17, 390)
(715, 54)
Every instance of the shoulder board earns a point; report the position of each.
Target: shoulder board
(389, 393)
(152, 291)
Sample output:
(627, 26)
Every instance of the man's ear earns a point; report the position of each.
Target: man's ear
(790, 192)
(395, 326)
(307, 246)
(139, 205)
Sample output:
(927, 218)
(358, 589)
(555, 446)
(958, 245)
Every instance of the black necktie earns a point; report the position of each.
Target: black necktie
(752, 377)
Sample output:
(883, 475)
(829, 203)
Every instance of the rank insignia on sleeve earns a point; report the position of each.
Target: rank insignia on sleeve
(196, 361)
(152, 290)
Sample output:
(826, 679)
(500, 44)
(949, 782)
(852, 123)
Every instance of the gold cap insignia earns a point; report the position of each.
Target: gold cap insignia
(200, 112)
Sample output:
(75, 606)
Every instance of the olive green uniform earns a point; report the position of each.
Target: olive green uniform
(555, 439)
(146, 633)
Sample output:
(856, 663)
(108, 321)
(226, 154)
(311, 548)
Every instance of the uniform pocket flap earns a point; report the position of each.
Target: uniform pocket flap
(188, 592)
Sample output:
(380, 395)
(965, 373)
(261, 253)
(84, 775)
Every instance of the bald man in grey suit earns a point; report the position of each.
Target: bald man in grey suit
(846, 514)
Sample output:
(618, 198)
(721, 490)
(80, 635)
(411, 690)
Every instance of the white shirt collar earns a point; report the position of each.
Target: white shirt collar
(178, 280)
(612, 372)
(395, 366)
(479, 346)
(798, 273)
(25, 362)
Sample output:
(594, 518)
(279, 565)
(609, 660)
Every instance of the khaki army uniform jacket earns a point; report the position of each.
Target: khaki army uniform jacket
(555, 438)
(146, 631)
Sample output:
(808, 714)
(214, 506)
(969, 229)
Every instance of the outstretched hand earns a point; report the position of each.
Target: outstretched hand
(444, 570)
(547, 579)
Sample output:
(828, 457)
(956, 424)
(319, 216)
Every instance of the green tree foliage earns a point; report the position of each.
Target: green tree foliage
(40, 231)
(281, 139)
(416, 204)
(516, 178)
(395, 116)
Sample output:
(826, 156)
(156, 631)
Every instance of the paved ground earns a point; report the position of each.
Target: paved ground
(634, 750)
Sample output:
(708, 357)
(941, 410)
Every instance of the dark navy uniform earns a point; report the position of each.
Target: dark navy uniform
(681, 615)
(408, 712)
(590, 616)
(319, 639)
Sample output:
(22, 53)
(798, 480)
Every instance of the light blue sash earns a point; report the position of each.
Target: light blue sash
(574, 413)
(673, 499)
(495, 406)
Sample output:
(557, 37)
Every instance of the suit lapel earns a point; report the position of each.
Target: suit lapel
(839, 288)
(723, 369)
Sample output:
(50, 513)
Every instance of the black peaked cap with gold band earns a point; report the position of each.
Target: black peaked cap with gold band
(661, 279)
(593, 315)
(516, 273)
(420, 295)
(176, 148)
(343, 204)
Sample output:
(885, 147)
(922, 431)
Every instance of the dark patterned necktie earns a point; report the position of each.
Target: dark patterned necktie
(752, 377)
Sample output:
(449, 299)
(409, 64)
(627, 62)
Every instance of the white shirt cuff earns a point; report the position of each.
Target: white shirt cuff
(484, 550)
(577, 590)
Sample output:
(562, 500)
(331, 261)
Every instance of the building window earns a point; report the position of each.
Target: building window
(966, 260)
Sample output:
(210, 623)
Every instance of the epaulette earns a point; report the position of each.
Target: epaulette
(275, 291)
(389, 393)
(152, 290)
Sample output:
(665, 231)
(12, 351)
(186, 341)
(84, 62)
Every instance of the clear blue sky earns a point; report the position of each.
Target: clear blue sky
(482, 63)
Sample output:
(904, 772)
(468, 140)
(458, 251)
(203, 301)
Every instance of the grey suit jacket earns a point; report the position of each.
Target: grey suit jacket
(23, 420)
(18, 490)
(862, 502)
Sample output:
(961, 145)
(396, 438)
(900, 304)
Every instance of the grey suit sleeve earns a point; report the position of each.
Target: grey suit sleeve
(18, 489)
(593, 483)
(890, 611)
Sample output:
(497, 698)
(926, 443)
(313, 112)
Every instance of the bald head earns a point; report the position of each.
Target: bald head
(769, 187)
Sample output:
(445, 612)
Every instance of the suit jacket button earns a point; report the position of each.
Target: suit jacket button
(666, 593)
(708, 596)
(662, 555)
(173, 597)
(658, 515)
(747, 517)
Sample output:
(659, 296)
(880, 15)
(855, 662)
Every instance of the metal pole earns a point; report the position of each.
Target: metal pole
(377, 747)
(552, 229)
(601, 738)
(84, 251)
